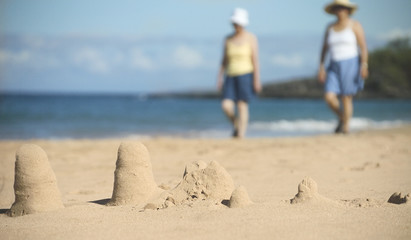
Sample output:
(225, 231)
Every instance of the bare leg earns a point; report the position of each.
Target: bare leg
(228, 108)
(347, 113)
(242, 118)
(332, 100)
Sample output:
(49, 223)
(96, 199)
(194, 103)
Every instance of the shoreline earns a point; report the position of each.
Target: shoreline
(356, 172)
(145, 137)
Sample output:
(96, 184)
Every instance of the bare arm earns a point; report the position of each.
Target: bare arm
(359, 34)
(321, 71)
(220, 77)
(256, 64)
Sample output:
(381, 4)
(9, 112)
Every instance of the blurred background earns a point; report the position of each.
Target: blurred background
(125, 46)
(84, 68)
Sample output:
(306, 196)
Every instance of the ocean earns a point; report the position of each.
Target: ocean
(76, 117)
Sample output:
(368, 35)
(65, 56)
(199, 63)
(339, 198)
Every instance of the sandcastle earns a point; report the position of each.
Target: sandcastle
(211, 182)
(307, 191)
(35, 185)
(134, 182)
(239, 198)
(133, 178)
(202, 182)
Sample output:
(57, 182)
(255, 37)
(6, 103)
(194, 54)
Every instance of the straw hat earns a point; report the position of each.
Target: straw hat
(344, 3)
(240, 17)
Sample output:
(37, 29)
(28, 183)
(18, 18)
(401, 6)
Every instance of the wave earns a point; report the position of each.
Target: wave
(300, 127)
(313, 125)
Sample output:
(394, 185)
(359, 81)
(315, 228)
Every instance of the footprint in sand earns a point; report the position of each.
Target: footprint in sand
(362, 202)
(366, 166)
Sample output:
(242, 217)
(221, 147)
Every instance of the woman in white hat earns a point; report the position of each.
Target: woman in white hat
(239, 77)
(344, 77)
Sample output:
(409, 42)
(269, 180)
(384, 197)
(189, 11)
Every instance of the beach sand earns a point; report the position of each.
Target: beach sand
(355, 176)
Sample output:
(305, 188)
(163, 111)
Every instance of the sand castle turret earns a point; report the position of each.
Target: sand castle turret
(239, 198)
(307, 190)
(133, 178)
(35, 185)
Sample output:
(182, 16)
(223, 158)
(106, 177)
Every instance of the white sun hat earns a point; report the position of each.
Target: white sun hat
(240, 17)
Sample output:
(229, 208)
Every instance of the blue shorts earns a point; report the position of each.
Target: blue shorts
(239, 88)
(344, 77)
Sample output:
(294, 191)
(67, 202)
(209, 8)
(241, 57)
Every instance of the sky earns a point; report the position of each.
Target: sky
(129, 46)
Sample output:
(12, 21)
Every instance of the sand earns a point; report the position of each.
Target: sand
(134, 182)
(35, 185)
(340, 185)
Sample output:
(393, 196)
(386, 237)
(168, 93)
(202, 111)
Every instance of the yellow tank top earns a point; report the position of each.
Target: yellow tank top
(239, 59)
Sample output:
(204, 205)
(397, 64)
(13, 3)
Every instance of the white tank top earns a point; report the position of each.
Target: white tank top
(343, 44)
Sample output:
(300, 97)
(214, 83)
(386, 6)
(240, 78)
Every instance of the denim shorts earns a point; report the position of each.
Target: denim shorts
(239, 88)
(344, 77)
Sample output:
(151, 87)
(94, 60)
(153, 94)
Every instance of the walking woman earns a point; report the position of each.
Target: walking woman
(239, 76)
(348, 68)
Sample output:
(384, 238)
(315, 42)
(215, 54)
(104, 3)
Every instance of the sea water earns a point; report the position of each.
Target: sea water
(67, 117)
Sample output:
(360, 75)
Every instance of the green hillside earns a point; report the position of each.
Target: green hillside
(390, 77)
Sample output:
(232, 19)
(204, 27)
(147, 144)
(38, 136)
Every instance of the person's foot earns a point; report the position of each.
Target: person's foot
(345, 130)
(235, 133)
(339, 128)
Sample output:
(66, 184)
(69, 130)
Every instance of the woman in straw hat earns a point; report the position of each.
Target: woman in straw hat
(239, 77)
(349, 64)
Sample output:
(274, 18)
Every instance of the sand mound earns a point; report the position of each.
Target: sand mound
(307, 191)
(35, 185)
(133, 178)
(212, 182)
(239, 198)
(398, 198)
(194, 166)
(200, 182)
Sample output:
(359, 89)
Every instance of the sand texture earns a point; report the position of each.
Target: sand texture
(324, 187)
(35, 185)
(239, 198)
(133, 178)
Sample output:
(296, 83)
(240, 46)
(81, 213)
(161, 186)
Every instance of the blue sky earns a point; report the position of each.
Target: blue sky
(165, 45)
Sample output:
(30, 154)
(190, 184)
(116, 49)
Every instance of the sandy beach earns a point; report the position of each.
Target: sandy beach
(356, 174)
